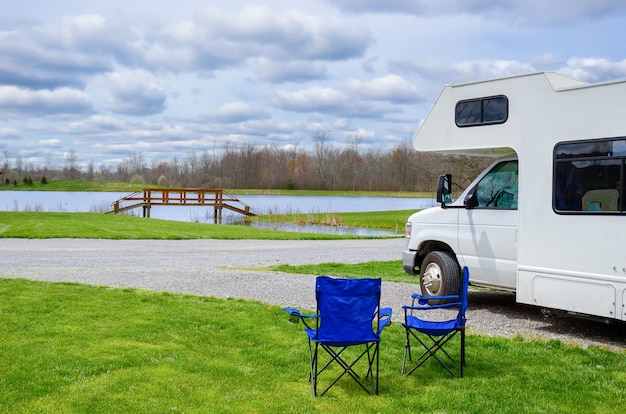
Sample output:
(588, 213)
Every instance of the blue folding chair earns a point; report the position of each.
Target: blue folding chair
(348, 316)
(433, 335)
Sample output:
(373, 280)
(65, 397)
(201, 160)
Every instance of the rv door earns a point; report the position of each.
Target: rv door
(488, 226)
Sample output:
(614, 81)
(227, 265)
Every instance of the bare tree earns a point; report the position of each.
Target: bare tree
(244, 165)
(322, 157)
(90, 170)
(71, 165)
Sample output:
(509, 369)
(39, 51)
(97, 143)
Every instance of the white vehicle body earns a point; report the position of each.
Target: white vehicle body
(553, 227)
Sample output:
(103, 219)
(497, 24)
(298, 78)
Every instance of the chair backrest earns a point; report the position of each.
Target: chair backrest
(463, 294)
(347, 308)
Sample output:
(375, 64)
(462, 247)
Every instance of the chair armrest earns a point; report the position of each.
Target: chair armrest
(429, 307)
(423, 299)
(295, 315)
(385, 313)
(384, 318)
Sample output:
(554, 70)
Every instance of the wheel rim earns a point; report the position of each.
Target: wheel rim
(431, 279)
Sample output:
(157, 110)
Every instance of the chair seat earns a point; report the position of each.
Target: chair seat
(314, 337)
(430, 327)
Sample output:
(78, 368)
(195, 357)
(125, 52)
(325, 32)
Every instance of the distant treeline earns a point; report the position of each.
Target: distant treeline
(247, 166)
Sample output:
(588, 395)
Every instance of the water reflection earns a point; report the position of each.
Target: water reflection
(320, 229)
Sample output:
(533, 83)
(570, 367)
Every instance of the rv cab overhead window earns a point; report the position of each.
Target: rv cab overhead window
(482, 111)
(589, 176)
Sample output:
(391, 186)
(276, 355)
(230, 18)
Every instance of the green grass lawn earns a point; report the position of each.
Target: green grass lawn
(392, 270)
(69, 348)
(34, 225)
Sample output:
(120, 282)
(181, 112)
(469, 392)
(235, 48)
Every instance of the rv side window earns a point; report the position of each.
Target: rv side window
(498, 188)
(482, 111)
(589, 176)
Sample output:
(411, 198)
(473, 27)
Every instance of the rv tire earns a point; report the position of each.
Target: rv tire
(440, 275)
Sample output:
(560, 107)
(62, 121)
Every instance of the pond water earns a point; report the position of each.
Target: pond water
(56, 201)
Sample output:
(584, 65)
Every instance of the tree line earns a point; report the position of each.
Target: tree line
(246, 166)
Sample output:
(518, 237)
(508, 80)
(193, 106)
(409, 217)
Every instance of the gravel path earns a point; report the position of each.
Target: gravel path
(222, 268)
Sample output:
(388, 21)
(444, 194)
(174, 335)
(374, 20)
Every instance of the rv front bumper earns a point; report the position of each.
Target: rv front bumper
(408, 261)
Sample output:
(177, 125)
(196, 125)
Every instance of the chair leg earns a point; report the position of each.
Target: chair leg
(462, 361)
(310, 362)
(431, 351)
(375, 387)
(371, 360)
(314, 372)
(407, 351)
(335, 356)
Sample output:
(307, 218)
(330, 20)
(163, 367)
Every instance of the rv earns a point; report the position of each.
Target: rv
(547, 219)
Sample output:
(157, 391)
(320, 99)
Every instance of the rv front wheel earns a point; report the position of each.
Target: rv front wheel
(440, 274)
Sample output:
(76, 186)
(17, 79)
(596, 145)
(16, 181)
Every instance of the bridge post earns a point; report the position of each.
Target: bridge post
(217, 213)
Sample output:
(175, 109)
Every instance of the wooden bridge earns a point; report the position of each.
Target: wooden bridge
(149, 197)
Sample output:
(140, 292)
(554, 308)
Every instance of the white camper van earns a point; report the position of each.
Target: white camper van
(547, 219)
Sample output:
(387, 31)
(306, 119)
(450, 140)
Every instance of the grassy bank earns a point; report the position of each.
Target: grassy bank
(76, 185)
(392, 270)
(34, 225)
(111, 226)
(75, 349)
(386, 220)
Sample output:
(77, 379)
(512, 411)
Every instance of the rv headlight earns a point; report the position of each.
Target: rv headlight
(407, 229)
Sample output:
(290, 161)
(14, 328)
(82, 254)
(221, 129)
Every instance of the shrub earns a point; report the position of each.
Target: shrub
(138, 178)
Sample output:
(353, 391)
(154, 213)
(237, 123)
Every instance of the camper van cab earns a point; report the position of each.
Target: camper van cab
(547, 218)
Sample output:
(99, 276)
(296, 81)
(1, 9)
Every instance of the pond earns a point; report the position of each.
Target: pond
(57, 201)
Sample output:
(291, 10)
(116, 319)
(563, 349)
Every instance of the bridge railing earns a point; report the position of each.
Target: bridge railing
(181, 197)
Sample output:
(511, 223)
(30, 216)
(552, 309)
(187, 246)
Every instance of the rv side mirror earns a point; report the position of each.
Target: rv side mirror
(471, 201)
(444, 193)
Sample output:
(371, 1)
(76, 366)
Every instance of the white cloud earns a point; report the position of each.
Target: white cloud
(310, 99)
(594, 69)
(217, 39)
(290, 71)
(18, 101)
(136, 92)
(165, 78)
(232, 112)
(284, 34)
(391, 87)
(341, 123)
(93, 124)
(530, 12)
(50, 143)
(9, 133)
(461, 71)
(361, 134)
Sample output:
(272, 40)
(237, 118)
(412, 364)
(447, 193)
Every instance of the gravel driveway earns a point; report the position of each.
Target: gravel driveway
(222, 268)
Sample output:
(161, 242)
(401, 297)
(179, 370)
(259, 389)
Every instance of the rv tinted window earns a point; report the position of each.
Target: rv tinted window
(589, 176)
(498, 188)
(482, 111)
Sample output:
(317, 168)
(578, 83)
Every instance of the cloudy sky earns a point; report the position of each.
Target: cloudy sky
(107, 78)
